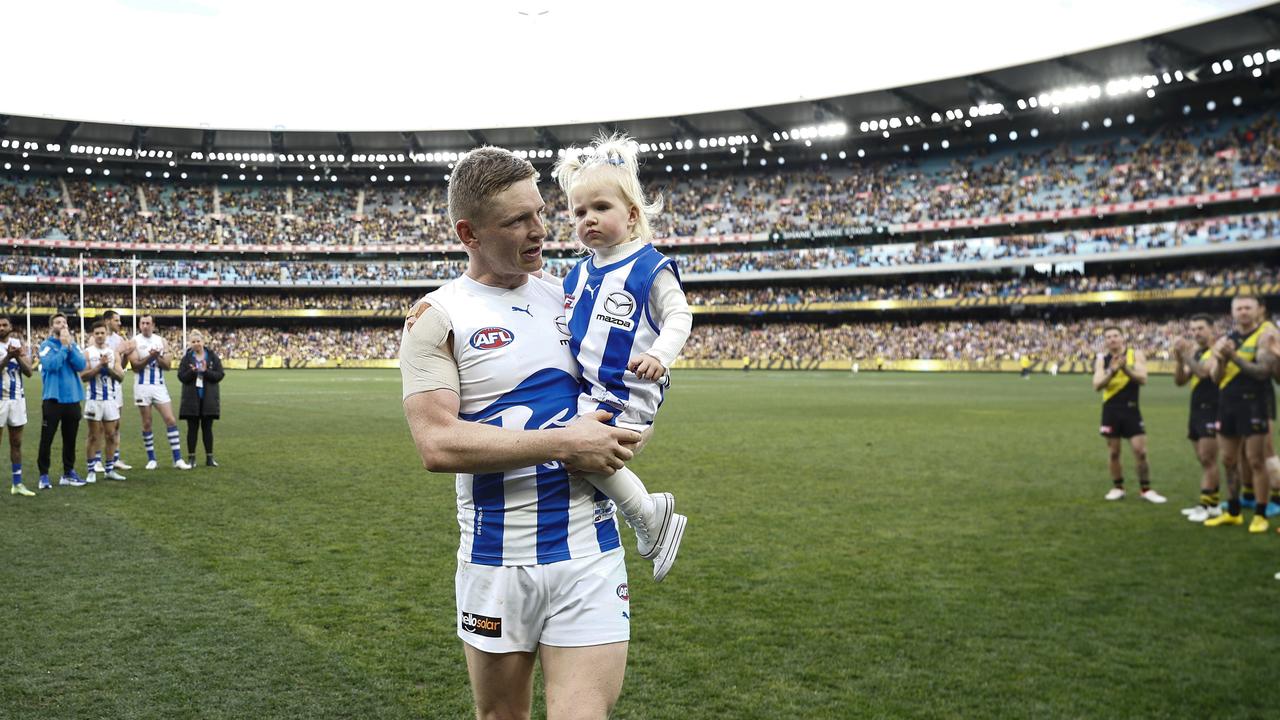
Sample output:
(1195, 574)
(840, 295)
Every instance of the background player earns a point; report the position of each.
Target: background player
(123, 349)
(14, 364)
(628, 320)
(102, 375)
(150, 360)
(1243, 422)
(1195, 365)
(1117, 374)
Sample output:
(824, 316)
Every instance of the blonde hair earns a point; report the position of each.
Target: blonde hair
(612, 160)
(193, 335)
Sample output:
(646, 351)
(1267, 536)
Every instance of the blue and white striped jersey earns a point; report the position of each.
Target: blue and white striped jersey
(100, 386)
(609, 322)
(11, 377)
(515, 371)
(151, 373)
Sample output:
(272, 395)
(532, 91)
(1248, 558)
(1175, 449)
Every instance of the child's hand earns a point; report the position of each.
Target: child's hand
(647, 367)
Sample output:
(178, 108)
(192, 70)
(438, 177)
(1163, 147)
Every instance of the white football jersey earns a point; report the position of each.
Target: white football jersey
(11, 375)
(151, 373)
(609, 322)
(100, 386)
(114, 340)
(515, 371)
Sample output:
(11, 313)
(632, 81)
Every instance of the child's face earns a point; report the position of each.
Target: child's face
(602, 219)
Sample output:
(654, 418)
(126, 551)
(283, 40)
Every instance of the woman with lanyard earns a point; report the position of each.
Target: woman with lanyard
(200, 374)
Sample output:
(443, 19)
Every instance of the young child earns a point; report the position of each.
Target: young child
(627, 320)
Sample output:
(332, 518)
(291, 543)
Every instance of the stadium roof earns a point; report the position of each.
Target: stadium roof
(647, 66)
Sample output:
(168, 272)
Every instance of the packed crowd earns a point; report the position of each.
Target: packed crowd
(14, 299)
(1181, 160)
(1076, 243)
(973, 340)
(1006, 287)
(976, 341)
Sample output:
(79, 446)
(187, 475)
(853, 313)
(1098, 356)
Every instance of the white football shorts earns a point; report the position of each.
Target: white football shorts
(13, 413)
(144, 395)
(101, 410)
(572, 603)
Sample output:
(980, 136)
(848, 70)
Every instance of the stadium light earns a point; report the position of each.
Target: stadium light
(1106, 122)
(1237, 101)
(924, 146)
(862, 153)
(1211, 106)
(1257, 72)
(26, 168)
(165, 174)
(945, 144)
(842, 155)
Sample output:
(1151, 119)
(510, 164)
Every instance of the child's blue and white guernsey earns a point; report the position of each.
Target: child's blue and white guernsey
(515, 371)
(610, 321)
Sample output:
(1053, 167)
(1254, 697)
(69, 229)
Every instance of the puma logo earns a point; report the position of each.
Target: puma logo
(591, 290)
(524, 310)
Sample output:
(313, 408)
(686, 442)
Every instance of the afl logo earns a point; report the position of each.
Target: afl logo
(624, 592)
(619, 304)
(492, 338)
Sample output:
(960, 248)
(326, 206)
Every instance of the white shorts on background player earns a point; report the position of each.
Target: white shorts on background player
(515, 608)
(145, 395)
(13, 413)
(101, 410)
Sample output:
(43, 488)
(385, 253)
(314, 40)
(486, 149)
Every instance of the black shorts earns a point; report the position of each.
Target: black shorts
(1121, 421)
(1242, 417)
(1203, 424)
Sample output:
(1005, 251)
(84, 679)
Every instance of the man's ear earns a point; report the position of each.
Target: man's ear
(466, 233)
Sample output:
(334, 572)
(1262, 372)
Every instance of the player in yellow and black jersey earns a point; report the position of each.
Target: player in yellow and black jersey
(1195, 366)
(1243, 413)
(1117, 374)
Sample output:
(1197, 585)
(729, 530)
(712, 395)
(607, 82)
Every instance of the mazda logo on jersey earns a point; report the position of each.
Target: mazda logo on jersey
(562, 325)
(492, 338)
(482, 625)
(620, 304)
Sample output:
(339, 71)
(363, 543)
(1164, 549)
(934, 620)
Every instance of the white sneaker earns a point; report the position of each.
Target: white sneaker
(182, 464)
(659, 539)
(1115, 493)
(71, 481)
(99, 467)
(113, 475)
(1198, 514)
(122, 465)
(1193, 510)
(91, 478)
(1152, 496)
(1212, 512)
(151, 465)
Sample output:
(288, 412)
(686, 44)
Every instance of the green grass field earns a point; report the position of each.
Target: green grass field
(859, 546)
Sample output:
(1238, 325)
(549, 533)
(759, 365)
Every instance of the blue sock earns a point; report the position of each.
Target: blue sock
(110, 466)
(175, 443)
(97, 458)
(149, 441)
(117, 456)
(17, 473)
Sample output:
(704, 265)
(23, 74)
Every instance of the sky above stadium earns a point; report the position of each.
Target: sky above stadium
(383, 65)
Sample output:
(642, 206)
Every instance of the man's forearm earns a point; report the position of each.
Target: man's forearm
(453, 445)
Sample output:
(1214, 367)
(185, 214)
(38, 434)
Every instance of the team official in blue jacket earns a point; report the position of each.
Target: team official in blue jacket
(61, 362)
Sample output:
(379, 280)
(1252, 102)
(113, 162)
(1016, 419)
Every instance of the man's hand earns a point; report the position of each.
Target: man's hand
(1119, 361)
(1225, 348)
(65, 337)
(647, 366)
(594, 447)
(1181, 347)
